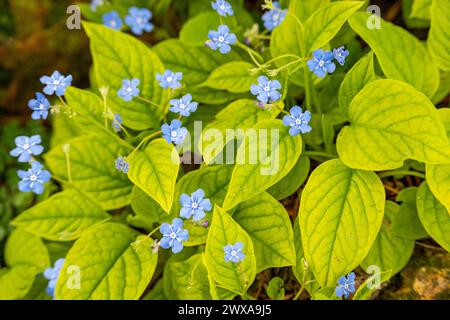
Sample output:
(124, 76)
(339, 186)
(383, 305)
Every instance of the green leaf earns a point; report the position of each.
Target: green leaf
(438, 176)
(360, 75)
(325, 293)
(267, 223)
(401, 55)
(439, 36)
(301, 269)
(113, 262)
(390, 122)
(275, 289)
(435, 218)
(214, 181)
(93, 171)
(341, 211)
(234, 76)
(389, 251)
(326, 22)
(63, 129)
(118, 56)
(62, 217)
(368, 287)
(239, 115)
(189, 279)
(155, 171)
(25, 257)
(421, 9)
(236, 277)
(215, 97)
(261, 164)
(147, 211)
(292, 181)
(87, 108)
(195, 63)
(406, 223)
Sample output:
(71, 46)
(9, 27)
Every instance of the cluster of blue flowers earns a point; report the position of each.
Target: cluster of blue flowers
(52, 274)
(322, 61)
(274, 17)
(346, 285)
(138, 20)
(221, 39)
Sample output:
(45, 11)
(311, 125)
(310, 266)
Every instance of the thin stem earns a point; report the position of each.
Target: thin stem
(105, 111)
(307, 88)
(66, 150)
(284, 56)
(148, 101)
(150, 136)
(428, 246)
(60, 180)
(251, 53)
(401, 173)
(319, 154)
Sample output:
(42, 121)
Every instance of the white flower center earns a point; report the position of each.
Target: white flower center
(233, 253)
(276, 17)
(169, 79)
(321, 63)
(56, 82)
(113, 23)
(221, 39)
(298, 121)
(266, 88)
(194, 205)
(26, 146)
(129, 89)
(173, 133)
(41, 107)
(182, 106)
(173, 235)
(33, 178)
(139, 20)
(222, 7)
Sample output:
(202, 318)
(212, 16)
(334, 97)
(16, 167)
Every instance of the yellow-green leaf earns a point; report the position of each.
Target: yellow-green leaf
(439, 36)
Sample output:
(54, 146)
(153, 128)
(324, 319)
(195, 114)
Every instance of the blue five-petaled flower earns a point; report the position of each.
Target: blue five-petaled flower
(52, 274)
(322, 63)
(40, 106)
(274, 17)
(129, 89)
(27, 147)
(139, 20)
(234, 252)
(183, 106)
(34, 178)
(222, 7)
(346, 285)
(122, 165)
(194, 205)
(221, 39)
(297, 121)
(340, 54)
(169, 79)
(173, 235)
(112, 19)
(174, 132)
(266, 90)
(56, 83)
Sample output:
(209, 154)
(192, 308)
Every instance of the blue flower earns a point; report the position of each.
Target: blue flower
(34, 178)
(139, 20)
(52, 274)
(27, 147)
(169, 79)
(222, 7)
(194, 205)
(129, 89)
(273, 18)
(221, 39)
(40, 106)
(266, 90)
(175, 132)
(234, 252)
(340, 54)
(96, 3)
(56, 83)
(346, 285)
(122, 165)
(112, 19)
(183, 106)
(117, 122)
(298, 121)
(322, 63)
(173, 235)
